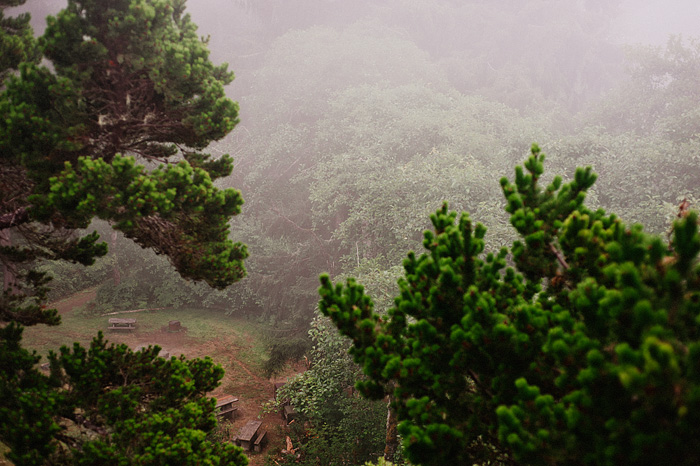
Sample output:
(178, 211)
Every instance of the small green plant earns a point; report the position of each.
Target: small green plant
(224, 432)
(380, 462)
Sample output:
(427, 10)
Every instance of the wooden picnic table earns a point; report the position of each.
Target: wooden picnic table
(225, 408)
(122, 324)
(260, 441)
(248, 434)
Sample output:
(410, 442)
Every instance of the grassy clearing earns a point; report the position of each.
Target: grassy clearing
(202, 326)
(237, 344)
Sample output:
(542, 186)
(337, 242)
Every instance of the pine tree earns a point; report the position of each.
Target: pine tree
(583, 353)
(115, 131)
(16, 39)
(108, 405)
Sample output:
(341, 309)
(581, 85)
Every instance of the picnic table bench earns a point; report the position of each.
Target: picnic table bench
(260, 441)
(248, 435)
(122, 324)
(225, 408)
(288, 413)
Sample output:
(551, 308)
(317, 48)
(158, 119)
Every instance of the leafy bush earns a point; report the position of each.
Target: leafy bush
(333, 425)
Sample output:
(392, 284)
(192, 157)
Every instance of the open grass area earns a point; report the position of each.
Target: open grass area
(202, 328)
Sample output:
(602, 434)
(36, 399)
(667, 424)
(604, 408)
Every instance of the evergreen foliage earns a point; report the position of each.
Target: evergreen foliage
(114, 130)
(108, 405)
(16, 39)
(584, 353)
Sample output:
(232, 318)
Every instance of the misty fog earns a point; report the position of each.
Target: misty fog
(359, 118)
(363, 123)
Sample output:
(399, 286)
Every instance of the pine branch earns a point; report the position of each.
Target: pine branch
(560, 257)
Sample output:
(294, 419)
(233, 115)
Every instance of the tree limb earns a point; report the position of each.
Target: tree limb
(560, 257)
(12, 219)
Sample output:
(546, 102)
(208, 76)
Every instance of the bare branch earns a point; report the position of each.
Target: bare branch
(15, 218)
(560, 257)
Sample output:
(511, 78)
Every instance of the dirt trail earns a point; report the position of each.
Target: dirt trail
(247, 371)
(75, 301)
(253, 392)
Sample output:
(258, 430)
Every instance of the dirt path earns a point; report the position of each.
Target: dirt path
(247, 371)
(75, 301)
(253, 392)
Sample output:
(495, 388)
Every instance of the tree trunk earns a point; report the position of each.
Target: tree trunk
(392, 436)
(116, 274)
(8, 273)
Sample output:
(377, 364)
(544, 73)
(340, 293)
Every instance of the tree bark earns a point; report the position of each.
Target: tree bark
(116, 273)
(8, 273)
(392, 436)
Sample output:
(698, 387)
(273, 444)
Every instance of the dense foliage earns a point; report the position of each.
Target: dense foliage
(351, 116)
(585, 352)
(114, 130)
(351, 119)
(361, 118)
(108, 405)
(333, 423)
(130, 80)
(15, 39)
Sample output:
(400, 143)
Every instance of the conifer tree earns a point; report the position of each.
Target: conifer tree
(115, 130)
(584, 353)
(108, 405)
(16, 39)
